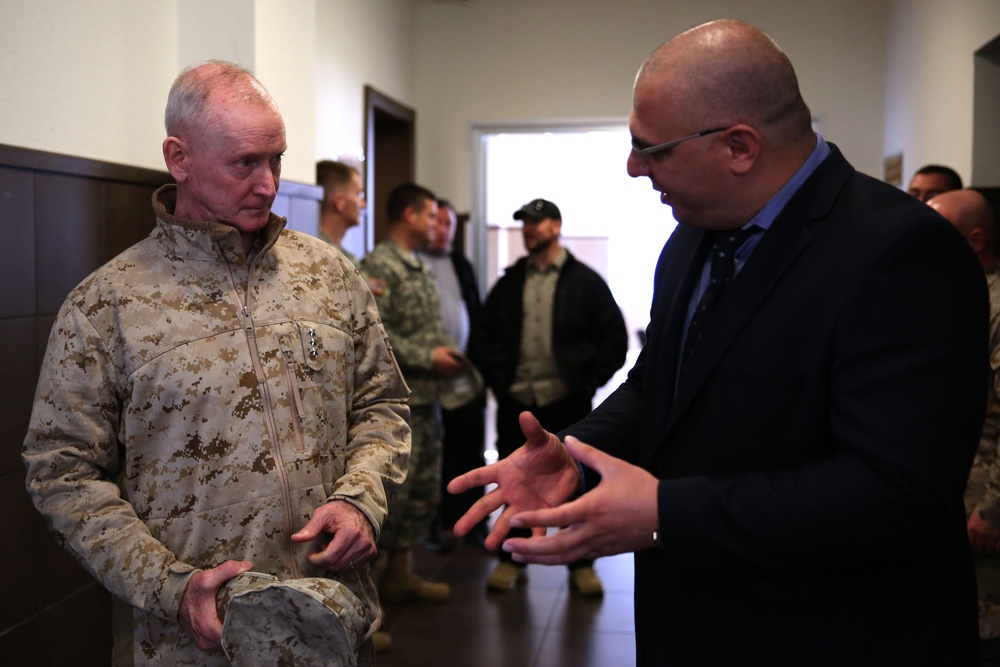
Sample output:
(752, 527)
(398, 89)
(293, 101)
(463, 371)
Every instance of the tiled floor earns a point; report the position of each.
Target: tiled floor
(540, 624)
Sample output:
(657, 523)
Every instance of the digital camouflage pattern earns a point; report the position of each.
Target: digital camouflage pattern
(296, 623)
(347, 253)
(420, 495)
(196, 406)
(982, 492)
(408, 302)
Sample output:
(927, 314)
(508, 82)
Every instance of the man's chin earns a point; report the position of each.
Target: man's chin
(251, 220)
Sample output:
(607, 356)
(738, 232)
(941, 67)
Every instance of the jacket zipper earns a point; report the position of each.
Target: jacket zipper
(248, 329)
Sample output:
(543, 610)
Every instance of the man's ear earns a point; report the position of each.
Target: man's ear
(744, 148)
(409, 213)
(175, 155)
(337, 201)
(977, 239)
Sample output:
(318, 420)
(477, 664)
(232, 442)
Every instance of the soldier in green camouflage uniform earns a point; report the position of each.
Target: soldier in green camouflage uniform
(408, 303)
(221, 397)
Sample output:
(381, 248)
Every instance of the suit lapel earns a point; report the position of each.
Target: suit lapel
(779, 248)
(676, 275)
(776, 252)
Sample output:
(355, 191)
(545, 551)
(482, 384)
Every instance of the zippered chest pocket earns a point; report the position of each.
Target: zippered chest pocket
(313, 386)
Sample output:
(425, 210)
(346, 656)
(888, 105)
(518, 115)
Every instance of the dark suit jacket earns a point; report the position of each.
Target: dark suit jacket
(813, 458)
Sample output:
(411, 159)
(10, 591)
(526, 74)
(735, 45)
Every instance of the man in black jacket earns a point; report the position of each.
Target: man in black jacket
(554, 336)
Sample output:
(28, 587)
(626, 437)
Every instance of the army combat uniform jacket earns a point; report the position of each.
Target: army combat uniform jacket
(196, 405)
(408, 302)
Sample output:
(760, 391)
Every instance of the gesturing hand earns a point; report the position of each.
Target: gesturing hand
(619, 515)
(538, 474)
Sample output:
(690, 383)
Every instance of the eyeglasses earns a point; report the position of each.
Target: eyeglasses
(651, 150)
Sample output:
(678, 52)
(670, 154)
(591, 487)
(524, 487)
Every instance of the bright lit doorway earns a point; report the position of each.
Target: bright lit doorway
(613, 222)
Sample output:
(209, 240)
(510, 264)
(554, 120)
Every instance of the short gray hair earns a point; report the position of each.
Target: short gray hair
(192, 88)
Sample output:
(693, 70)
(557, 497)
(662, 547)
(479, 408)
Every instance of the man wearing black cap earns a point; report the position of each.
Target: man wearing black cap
(555, 335)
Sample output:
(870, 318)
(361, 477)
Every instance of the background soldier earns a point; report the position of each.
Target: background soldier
(411, 312)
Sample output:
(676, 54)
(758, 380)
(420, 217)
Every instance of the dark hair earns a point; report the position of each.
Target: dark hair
(404, 196)
(954, 179)
(444, 203)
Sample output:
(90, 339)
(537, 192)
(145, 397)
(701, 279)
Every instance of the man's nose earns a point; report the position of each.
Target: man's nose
(635, 165)
(267, 183)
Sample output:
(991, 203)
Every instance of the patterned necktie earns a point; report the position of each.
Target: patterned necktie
(723, 256)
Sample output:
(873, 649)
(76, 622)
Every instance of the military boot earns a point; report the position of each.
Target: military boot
(400, 584)
(381, 640)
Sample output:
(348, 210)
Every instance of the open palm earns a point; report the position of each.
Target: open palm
(538, 475)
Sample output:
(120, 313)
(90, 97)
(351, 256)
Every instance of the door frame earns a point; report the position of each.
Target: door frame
(390, 156)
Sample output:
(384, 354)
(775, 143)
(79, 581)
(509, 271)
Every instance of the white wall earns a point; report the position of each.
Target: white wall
(929, 80)
(285, 62)
(483, 61)
(220, 30)
(87, 78)
(90, 78)
(358, 43)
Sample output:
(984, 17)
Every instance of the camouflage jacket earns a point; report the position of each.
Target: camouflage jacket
(410, 307)
(196, 406)
(982, 493)
(347, 253)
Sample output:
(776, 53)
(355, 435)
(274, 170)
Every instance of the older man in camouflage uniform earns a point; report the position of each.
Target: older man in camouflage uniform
(222, 397)
(408, 303)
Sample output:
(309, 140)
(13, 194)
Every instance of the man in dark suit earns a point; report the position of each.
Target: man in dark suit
(793, 494)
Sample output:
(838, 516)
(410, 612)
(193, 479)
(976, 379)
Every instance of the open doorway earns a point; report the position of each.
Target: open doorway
(616, 222)
(612, 222)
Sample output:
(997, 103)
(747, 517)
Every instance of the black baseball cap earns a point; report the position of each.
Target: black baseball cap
(538, 209)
